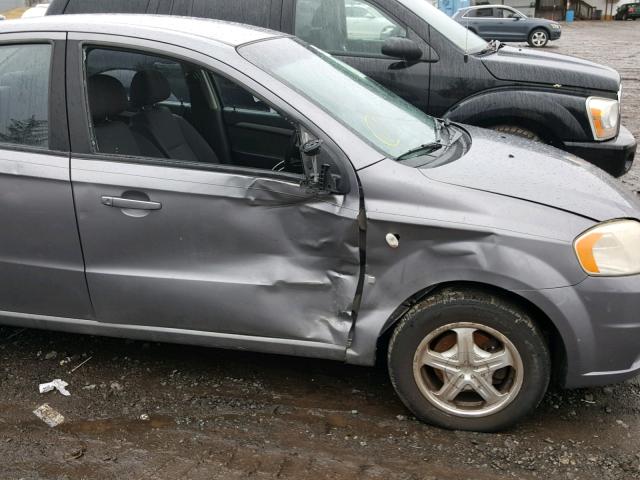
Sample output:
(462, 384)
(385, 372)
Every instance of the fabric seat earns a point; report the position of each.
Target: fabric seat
(172, 134)
(108, 100)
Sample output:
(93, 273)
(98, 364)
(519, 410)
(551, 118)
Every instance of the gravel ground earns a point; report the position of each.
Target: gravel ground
(157, 411)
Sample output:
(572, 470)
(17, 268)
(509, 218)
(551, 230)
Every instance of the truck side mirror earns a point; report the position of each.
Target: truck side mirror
(402, 48)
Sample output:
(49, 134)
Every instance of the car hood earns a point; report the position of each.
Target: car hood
(525, 65)
(515, 167)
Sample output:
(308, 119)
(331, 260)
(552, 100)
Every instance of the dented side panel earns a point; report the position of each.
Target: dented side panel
(227, 252)
(453, 234)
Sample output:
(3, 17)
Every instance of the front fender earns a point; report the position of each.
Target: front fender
(558, 115)
(453, 234)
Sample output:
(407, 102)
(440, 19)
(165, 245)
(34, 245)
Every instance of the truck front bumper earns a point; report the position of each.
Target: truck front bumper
(614, 156)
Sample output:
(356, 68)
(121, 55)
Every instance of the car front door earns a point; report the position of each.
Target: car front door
(514, 26)
(331, 26)
(41, 266)
(484, 22)
(245, 255)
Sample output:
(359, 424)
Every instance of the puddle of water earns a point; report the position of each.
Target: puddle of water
(116, 424)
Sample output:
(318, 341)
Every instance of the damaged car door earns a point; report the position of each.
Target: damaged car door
(41, 270)
(180, 234)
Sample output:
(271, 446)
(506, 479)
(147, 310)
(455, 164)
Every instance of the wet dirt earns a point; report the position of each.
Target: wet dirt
(158, 411)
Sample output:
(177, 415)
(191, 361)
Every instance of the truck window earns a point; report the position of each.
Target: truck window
(345, 26)
(252, 12)
(115, 6)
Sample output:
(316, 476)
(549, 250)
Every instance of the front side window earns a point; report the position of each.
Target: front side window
(508, 13)
(178, 113)
(24, 94)
(483, 13)
(446, 26)
(376, 115)
(345, 26)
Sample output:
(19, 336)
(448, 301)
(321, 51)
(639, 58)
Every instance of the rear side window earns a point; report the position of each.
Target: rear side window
(253, 12)
(107, 6)
(24, 94)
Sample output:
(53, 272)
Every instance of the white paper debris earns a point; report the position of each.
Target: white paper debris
(48, 415)
(56, 384)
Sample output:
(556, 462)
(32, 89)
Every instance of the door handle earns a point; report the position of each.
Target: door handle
(119, 202)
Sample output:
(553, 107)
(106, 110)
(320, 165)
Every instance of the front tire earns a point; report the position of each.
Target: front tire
(518, 132)
(538, 38)
(467, 360)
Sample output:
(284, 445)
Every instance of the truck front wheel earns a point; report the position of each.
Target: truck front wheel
(518, 132)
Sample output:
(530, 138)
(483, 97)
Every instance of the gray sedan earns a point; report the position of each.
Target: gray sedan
(506, 24)
(206, 183)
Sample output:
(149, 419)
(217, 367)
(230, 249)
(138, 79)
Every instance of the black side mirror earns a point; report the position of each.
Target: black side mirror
(402, 48)
(320, 177)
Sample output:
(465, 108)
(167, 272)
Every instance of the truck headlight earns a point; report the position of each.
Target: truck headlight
(604, 115)
(610, 249)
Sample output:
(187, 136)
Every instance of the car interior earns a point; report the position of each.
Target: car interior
(147, 106)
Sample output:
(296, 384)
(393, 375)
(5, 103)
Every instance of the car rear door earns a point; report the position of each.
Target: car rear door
(248, 257)
(41, 265)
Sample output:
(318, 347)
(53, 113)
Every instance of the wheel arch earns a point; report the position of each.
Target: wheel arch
(542, 112)
(540, 27)
(552, 335)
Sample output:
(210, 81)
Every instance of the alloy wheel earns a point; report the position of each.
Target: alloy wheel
(468, 369)
(539, 39)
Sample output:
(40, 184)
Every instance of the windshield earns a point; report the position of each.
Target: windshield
(464, 39)
(378, 116)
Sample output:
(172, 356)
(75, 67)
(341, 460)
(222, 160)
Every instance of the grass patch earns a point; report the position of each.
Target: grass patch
(14, 13)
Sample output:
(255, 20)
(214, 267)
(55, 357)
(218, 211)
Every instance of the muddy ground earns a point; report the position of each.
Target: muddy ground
(157, 411)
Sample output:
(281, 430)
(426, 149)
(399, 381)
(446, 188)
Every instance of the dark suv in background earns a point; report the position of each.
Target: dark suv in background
(438, 65)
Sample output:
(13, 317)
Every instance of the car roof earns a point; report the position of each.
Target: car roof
(143, 25)
(475, 7)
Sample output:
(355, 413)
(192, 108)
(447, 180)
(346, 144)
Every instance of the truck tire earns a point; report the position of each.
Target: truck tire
(518, 132)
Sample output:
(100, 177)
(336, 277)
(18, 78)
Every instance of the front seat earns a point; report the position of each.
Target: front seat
(172, 134)
(107, 101)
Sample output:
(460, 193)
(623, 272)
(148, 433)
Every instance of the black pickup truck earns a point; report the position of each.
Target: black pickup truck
(438, 65)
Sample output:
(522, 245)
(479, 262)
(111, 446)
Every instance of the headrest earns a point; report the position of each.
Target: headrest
(107, 97)
(149, 87)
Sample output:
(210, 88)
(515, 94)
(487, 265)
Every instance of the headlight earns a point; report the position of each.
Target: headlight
(555, 26)
(603, 116)
(610, 249)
